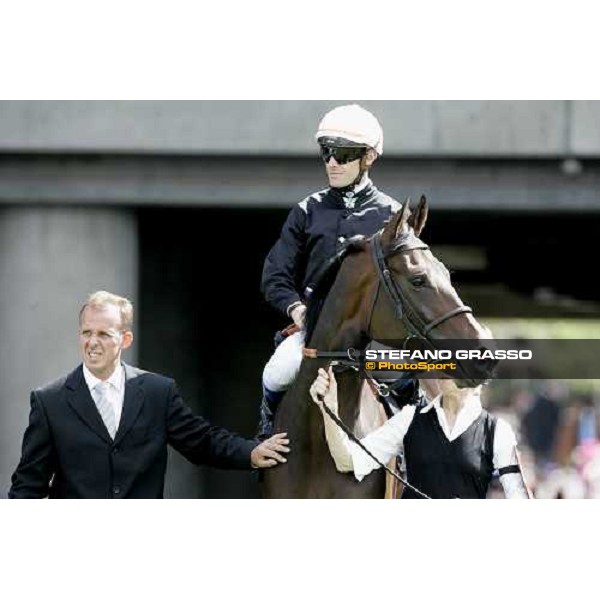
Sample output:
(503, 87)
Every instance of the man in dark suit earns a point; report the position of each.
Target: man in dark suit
(102, 431)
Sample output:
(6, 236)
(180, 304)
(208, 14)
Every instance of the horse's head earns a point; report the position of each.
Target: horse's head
(414, 297)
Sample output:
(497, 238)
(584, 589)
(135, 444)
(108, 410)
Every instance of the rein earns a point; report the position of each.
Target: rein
(354, 439)
(349, 359)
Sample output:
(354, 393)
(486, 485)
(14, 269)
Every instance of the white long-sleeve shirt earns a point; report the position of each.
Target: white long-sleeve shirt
(387, 441)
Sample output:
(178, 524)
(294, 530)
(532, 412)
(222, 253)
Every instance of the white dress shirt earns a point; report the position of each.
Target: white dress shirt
(115, 393)
(387, 442)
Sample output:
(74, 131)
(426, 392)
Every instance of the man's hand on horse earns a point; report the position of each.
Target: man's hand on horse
(270, 452)
(324, 389)
(298, 314)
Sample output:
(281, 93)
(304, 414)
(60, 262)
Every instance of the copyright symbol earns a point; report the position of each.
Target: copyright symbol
(370, 366)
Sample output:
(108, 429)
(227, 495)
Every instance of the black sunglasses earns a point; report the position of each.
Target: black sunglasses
(342, 155)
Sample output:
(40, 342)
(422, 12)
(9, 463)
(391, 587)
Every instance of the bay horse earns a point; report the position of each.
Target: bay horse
(388, 287)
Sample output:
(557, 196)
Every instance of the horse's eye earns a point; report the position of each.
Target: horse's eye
(418, 280)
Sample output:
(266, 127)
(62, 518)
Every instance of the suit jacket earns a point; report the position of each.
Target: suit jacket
(68, 453)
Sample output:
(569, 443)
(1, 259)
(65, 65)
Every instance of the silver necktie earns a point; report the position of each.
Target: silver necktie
(104, 408)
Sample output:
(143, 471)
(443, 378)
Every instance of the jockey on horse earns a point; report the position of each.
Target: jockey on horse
(350, 140)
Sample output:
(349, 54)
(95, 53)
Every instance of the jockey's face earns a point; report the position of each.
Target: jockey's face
(343, 175)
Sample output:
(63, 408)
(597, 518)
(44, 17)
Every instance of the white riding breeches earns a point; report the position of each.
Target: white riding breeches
(284, 364)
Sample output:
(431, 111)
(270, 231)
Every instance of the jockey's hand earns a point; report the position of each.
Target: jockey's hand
(297, 315)
(324, 389)
(270, 452)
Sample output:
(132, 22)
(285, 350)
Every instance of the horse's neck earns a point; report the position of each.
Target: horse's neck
(341, 323)
(341, 326)
(310, 471)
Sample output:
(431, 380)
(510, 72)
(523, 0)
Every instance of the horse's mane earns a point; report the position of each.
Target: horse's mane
(325, 278)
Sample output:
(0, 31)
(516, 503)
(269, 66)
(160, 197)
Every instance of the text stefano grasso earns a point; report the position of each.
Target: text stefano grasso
(485, 354)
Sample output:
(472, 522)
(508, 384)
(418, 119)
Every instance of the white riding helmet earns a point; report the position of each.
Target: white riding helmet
(351, 123)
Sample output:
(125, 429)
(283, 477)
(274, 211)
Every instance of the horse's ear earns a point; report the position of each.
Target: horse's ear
(397, 223)
(418, 218)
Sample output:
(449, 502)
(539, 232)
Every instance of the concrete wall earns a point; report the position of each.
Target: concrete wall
(424, 128)
(281, 182)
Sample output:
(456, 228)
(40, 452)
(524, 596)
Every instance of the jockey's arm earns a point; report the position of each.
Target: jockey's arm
(280, 277)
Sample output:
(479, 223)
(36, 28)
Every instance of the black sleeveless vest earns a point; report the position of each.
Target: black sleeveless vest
(461, 468)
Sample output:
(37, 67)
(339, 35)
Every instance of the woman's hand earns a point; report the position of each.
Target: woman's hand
(324, 389)
(324, 392)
